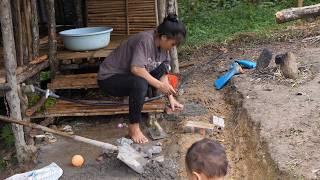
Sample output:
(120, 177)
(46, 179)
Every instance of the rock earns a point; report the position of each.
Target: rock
(67, 129)
(156, 149)
(124, 141)
(288, 65)
(159, 159)
(39, 138)
(159, 144)
(264, 59)
(50, 138)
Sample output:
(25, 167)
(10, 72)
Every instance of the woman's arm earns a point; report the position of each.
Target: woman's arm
(164, 87)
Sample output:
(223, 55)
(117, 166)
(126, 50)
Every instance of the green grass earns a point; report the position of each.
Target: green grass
(214, 22)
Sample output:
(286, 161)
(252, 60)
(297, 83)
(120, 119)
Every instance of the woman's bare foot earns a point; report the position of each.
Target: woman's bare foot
(136, 134)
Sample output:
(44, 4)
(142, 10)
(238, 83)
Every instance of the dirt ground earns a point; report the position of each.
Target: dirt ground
(271, 123)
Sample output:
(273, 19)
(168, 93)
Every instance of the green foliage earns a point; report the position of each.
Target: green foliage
(34, 98)
(6, 136)
(219, 20)
(50, 102)
(45, 75)
(3, 165)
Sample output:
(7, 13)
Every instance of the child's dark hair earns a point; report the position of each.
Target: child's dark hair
(172, 28)
(207, 157)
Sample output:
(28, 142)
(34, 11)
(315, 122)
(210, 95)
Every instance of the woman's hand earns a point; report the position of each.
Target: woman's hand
(166, 88)
(174, 104)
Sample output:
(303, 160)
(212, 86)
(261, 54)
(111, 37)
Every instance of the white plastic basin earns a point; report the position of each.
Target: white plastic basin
(85, 39)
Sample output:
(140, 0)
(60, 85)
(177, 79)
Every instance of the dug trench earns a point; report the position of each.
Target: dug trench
(247, 103)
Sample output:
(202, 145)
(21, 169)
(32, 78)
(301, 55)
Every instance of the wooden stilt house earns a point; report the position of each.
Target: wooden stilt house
(25, 51)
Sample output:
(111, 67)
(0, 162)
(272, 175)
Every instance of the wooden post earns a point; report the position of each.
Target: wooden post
(9, 55)
(27, 19)
(172, 8)
(16, 18)
(161, 10)
(35, 29)
(79, 15)
(52, 38)
(300, 3)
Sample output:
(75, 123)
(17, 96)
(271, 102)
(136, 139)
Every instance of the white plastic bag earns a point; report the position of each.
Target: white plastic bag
(50, 172)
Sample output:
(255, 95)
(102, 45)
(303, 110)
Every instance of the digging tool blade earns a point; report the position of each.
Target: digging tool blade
(156, 131)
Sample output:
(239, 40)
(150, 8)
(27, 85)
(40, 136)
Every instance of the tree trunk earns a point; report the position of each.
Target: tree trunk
(16, 17)
(52, 38)
(172, 9)
(9, 55)
(297, 13)
(35, 29)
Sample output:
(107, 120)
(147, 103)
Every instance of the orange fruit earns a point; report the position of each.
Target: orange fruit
(77, 160)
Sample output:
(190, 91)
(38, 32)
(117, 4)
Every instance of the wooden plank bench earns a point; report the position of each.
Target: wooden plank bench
(74, 81)
(115, 41)
(64, 108)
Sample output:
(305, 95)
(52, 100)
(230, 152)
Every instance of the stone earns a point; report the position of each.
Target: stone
(264, 59)
(288, 65)
(159, 159)
(124, 141)
(156, 149)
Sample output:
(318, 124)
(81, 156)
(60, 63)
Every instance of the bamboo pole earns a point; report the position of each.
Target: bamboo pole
(52, 38)
(9, 55)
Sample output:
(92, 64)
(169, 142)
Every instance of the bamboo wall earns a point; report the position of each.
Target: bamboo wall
(124, 16)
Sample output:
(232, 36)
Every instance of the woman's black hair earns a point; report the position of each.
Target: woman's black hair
(172, 28)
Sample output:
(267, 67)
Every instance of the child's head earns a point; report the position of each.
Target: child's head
(206, 160)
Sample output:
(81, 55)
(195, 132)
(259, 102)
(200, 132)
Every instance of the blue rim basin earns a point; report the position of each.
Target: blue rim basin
(84, 39)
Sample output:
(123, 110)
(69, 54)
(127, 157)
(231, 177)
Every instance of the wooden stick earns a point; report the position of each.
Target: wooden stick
(35, 29)
(39, 59)
(31, 70)
(16, 8)
(30, 111)
(52, 38)
(63, 134)
(297, 13)
(300, 3)
(27, 13)
(10, 63)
